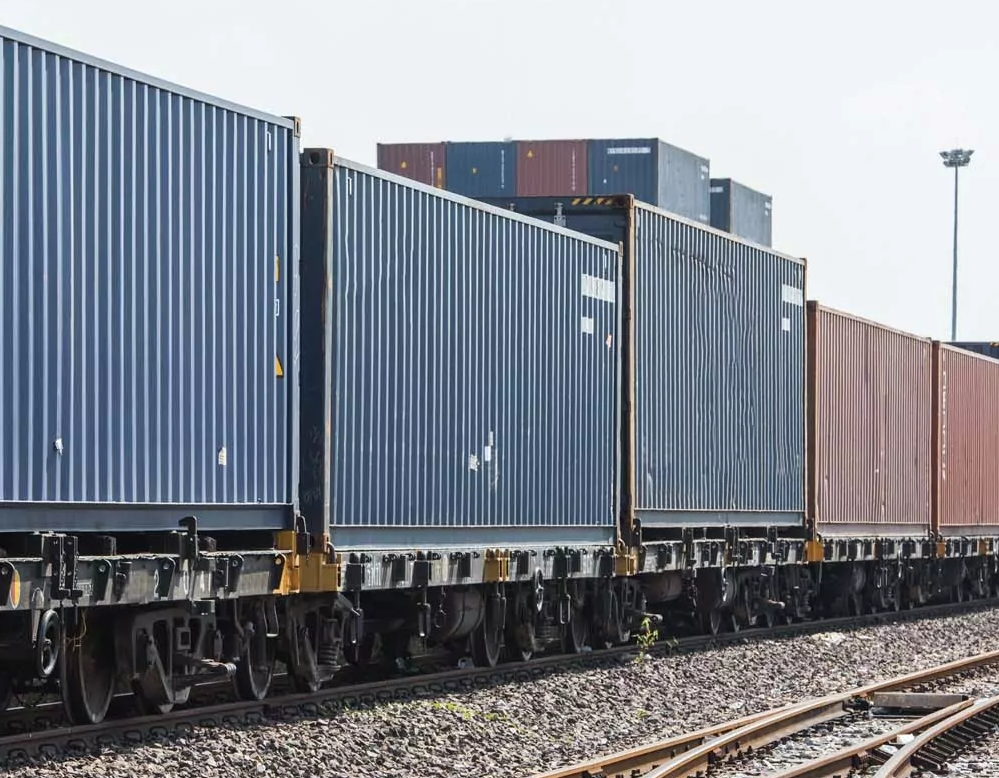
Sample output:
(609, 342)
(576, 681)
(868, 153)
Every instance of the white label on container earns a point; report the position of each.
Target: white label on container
(222, 457)
(785, 324)
(487, 454)
(597, 288)
(473, 463)
(587, 325)
(792, 295)
(717, 189)
(629, 150)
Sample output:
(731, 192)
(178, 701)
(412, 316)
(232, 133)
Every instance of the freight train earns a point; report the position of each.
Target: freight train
(263, 404)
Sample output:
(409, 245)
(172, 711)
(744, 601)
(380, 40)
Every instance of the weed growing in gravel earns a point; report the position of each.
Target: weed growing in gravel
(468, 714)
(646, 638)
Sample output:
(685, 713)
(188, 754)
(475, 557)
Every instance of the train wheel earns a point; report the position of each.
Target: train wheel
(487, 638)
(576, 632)
(88, 677)
(520, 630)
(255, 669)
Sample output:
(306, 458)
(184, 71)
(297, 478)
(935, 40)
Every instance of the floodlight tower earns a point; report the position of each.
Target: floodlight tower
(957, 159)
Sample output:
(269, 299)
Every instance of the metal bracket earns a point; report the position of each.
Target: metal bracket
(165, 569)
(228, 570)
(103, 570)
(421, 572)
(463, 560)
(122, 573)
(63, 556)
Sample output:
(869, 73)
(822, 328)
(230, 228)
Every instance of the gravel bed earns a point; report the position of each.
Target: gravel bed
(520, 729)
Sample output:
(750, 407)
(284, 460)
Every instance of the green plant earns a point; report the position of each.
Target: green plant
(646, 638)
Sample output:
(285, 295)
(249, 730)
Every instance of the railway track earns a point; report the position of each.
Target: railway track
(43, 731)
(938, 735)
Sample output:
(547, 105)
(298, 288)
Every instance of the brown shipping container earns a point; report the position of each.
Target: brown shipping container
(551, 168)
(870, 427)
(423, 162)
(966, 442)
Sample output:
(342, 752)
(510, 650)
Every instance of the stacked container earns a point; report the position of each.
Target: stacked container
(870, 422)
(460, 368)
(650, 169)
(742, 211)
(422, 162)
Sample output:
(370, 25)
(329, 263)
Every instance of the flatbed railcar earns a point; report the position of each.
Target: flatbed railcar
(301, 410)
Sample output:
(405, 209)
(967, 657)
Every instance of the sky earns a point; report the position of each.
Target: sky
(839, 110)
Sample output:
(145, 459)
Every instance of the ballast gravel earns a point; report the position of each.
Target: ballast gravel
(519, 729)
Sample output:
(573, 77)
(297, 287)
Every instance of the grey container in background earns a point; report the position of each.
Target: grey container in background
(148, 293)
(742, 211)
(464, 368)
(654, 172)
(714, 427)
(985, 348)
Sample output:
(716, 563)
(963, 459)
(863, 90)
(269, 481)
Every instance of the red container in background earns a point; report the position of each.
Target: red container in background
(966, 442)
(870, 427)
(551, 168)
(423, 162)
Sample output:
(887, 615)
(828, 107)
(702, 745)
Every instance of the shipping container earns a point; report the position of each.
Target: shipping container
(551, 167)
(742, 211)
(966, 442)
(148, 301)
(482, 169)
(655, 172)
(423, 162)
(870, 427)
(714, 367)
(986, 348)
(463, 381)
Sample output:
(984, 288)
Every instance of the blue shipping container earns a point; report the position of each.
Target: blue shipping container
(715, 425)
(742, 211)
(148, 288)
(654, 172)
(462, 368)
(988, 349)
(482, 169)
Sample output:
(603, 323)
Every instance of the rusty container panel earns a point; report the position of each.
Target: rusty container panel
(967, 442)
(423, 162)
(870, 426)
(551, 168)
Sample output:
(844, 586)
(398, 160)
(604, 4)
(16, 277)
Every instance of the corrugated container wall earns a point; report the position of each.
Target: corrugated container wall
(719, 345)
(472, 355)
(551, 167)
(423, 162)
(870, 425)
(715, 431)
(148, 287)
(654, 172)
(742, 211)
(482, 169)
(985, 348)
(966, 441)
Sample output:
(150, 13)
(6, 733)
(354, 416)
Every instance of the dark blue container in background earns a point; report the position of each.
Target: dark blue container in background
(483, 169)
(655, 172)
(985, 348)
(714, 422)
(741, 211)
(460, 379)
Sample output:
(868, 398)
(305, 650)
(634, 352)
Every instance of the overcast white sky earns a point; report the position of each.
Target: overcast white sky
(838, 110)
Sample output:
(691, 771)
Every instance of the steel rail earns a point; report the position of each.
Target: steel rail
(691, 754)
(930, 749)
